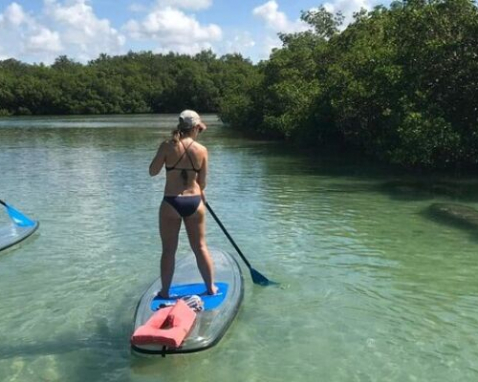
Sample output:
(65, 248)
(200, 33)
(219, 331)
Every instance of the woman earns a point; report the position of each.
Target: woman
(185, 161)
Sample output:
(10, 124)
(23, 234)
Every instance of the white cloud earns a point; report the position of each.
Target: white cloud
(269, 12)
(276, 20)
(44, 41)
(81, 30)
(243, 40)
(2, 54)
(14, 15)
(174, 30)
(269, 44)
(135, 7)
(240, 42)
(185, 4)
(347, 7)
(62, 27)
(15, 24)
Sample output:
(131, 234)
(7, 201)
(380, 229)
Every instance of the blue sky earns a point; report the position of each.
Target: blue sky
(41, 30)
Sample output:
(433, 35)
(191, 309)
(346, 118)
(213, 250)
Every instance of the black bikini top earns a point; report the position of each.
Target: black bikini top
(181, 157)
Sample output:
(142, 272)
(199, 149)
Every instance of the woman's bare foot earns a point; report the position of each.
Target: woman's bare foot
(213, 290)
(162, 295)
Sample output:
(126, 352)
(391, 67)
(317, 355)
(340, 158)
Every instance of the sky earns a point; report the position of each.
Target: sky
(37, 31)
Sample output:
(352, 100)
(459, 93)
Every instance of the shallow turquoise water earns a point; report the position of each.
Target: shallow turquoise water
(371, 288)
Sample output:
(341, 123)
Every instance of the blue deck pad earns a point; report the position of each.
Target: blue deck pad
(178, 291)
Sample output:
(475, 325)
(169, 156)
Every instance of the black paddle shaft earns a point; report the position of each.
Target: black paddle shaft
(227, 234)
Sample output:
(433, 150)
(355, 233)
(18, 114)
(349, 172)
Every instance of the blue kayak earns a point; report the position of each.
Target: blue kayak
(17, 229)
(219, 310)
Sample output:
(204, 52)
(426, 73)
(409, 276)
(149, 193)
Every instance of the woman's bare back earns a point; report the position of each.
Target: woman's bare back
(185, 164)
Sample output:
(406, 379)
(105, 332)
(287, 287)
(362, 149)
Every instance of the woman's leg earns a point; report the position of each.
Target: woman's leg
(196, 229)
(169, 226)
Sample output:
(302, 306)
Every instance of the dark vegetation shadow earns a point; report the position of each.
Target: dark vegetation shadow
(396, 182)
(365, 176)
(454, 215)
(423, 189)
(331, 161)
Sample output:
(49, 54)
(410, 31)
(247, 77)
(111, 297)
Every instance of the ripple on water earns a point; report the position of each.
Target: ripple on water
(370, 289)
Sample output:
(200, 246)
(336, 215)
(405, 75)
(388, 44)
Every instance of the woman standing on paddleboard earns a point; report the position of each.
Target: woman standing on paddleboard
(185, 161)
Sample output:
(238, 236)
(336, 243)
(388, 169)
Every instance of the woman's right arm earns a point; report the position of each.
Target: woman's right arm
(158, 161)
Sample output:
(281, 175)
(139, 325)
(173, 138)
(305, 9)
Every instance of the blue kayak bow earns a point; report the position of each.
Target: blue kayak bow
(18, 218)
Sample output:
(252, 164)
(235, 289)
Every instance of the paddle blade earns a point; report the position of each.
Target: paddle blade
(18, 218)
(260, 279)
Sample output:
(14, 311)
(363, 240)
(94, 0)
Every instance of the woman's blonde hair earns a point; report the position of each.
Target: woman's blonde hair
(182, 130)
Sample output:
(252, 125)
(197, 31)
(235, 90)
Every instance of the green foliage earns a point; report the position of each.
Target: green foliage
(404, 81)
(425, 140)
(324, 23)
(399, 83)
(133, 83)
(282, 102)
(240, 83)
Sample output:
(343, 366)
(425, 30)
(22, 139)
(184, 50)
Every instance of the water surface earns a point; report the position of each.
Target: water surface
(372, 288)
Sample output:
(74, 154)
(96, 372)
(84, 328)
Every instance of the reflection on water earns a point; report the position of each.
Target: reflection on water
(371, 287)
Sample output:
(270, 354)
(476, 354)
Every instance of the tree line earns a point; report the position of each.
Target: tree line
(133, 83)
(399, 84)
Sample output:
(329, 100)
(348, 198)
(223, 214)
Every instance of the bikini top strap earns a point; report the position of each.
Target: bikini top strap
(182, 156)
(189, 156)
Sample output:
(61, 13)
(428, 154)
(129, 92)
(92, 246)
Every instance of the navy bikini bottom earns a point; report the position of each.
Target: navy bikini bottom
(184, 205)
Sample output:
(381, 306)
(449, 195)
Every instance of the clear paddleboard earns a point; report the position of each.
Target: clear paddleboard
(11, 234)
(219, 310)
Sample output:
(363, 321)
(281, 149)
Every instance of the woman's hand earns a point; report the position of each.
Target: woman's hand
(158, 161)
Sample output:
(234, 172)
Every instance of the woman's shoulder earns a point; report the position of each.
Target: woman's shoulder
(168, 144)
(199, 147)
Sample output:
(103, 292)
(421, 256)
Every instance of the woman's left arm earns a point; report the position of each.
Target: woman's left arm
(158, 160)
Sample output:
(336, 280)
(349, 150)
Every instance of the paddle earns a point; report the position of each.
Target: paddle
(17, 217)
(257, 278)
